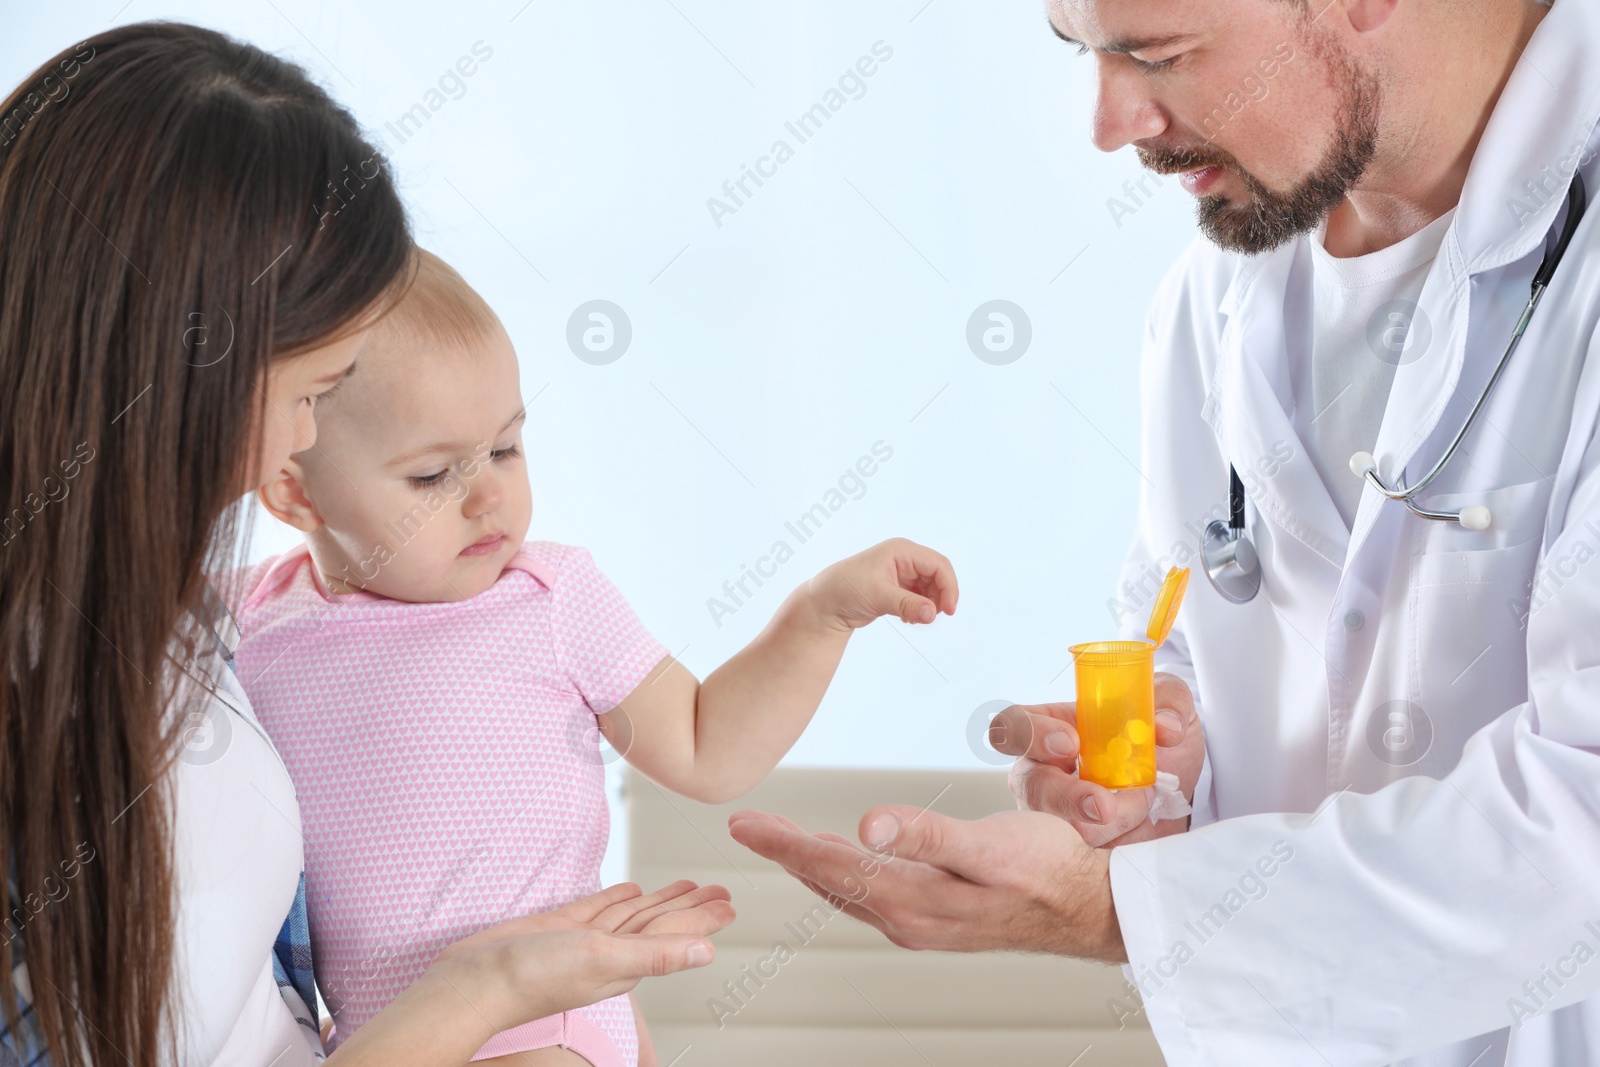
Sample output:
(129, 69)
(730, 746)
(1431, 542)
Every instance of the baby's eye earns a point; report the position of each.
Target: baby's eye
(509, 452)
(425, 480)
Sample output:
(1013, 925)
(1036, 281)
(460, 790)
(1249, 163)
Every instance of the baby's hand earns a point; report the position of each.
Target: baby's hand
(898, 577)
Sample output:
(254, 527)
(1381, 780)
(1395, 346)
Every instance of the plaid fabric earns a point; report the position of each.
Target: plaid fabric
(22, 1045)
(291, 964)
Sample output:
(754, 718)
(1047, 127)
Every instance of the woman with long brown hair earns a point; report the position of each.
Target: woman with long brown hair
(195, 242)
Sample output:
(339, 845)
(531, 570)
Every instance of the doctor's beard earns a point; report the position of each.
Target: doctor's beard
(1267, 219)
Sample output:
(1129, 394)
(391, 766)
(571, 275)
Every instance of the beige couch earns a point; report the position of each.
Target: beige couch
(837, 992)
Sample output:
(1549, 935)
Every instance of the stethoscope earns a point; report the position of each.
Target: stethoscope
(1226, 552)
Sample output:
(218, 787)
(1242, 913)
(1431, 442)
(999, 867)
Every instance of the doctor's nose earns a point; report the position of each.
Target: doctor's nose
(1125, 111)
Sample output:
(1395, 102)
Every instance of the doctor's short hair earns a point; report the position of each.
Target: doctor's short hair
(438, 310)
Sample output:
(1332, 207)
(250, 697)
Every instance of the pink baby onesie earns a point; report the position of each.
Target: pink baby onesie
(446, 765)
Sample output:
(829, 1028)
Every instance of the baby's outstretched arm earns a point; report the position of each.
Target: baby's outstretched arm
(715, 740)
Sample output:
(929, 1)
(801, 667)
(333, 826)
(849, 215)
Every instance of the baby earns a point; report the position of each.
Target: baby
(434, 682)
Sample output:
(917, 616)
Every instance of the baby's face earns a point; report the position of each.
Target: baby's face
(418, 476)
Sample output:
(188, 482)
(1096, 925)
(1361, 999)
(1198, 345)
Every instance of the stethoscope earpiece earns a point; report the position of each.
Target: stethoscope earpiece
(1475, 517)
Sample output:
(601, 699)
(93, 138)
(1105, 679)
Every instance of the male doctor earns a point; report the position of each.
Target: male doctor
(1394, 855)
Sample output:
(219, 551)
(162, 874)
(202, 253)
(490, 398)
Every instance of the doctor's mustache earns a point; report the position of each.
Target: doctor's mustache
(1178, 160)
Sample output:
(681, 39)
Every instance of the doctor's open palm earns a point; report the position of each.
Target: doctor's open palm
(1046, 779)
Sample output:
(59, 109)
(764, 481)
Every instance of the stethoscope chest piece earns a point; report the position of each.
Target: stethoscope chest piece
(1230, 562)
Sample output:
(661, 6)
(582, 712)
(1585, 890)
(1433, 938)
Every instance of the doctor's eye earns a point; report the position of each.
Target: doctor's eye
(1150, 66)
(425, 481)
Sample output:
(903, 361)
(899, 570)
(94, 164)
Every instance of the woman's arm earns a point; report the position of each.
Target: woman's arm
(539, 965)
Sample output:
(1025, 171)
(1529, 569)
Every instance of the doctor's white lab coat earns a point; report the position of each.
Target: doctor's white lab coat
(1396, 848)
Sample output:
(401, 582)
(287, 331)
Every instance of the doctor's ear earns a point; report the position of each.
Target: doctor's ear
(286, 499)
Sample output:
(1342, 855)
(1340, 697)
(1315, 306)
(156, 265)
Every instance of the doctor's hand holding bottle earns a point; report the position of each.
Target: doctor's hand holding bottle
(1046, 778)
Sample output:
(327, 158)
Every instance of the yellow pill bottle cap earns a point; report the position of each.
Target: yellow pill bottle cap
(1168, 601)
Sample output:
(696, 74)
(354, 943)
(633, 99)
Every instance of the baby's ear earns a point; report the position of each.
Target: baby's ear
(286, 499)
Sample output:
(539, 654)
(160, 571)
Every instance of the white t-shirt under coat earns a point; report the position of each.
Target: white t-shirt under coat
(1348, 331)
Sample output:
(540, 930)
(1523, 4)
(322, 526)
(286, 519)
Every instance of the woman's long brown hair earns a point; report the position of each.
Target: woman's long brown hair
(177, 209)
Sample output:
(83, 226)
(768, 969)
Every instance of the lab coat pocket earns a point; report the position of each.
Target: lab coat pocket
(1450, 554)
(1469, 650)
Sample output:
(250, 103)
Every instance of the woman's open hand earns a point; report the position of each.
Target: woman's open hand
(680, 908)
(596, 947)
(527, 968)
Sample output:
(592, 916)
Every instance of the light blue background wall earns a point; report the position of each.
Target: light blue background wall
(828, 313)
